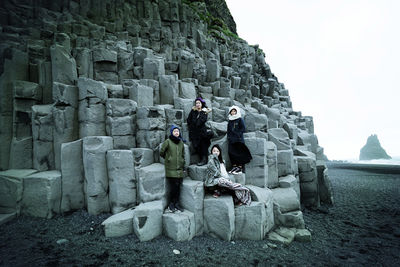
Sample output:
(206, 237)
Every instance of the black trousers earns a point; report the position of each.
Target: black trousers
(202, 146)
(175, 188)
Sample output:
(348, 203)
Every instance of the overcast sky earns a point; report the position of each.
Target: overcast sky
(340, 61)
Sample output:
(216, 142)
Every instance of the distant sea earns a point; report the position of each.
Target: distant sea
(393, 161)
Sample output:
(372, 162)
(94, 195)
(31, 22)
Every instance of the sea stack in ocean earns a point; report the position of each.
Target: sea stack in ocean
(373, 149)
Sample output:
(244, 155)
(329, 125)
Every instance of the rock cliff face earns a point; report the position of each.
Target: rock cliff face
(89, 90)
(373, 149)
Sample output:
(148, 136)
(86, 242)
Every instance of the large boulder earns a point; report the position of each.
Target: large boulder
(272, 160)
(198, 173)
(64, 94)
(286, 198)
(264, 195)
(186, 63)
(257, 168)
(280, 137)
(65, 129)
(42, 132)
(63, 65)
(179, 226)
(120, 224)
(219, 217)
(89, 88)
(290, 181)
(153, 68)
(150, 183)
(42, 194)
(168, 88)
(11, 189)
(187, 90)
(286, 162)
(191, 199)
(122, 180)
(72, 176)
(324, 183)
(147, 220)
(141, 94)
(96, 175)
(21, 153)
(250, 221)
(142, 157)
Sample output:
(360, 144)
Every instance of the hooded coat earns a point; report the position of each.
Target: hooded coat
(236, 127)
(174, 155)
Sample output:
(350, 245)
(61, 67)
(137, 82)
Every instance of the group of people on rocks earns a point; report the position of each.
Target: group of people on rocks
(217, 179)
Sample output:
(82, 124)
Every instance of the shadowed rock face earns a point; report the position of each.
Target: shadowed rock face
(373, 149)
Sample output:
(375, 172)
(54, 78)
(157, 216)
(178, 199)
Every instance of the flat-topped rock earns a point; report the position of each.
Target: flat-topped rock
(11, 189)
(42, 194)
(119, 224)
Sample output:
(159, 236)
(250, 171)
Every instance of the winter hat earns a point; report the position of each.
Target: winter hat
(203, 103)
(173, 127)
(180, 133)
(237, 115)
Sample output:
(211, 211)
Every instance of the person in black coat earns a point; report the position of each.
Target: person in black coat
(238, 152)
(197, 129)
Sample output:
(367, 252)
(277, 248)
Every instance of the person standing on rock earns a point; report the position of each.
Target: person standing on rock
(238, 152)
(197, 129)
(172, 150)
(217, 178)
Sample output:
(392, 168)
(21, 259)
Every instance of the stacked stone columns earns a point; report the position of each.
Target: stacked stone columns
(96, 175)
(42, 130)
(65, 117)
(121, 122)
(257, 168)
(92, 110)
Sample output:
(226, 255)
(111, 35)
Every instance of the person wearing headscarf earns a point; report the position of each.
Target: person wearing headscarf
(218, 178)
(198, 136)
(172, 150)
(238, 152)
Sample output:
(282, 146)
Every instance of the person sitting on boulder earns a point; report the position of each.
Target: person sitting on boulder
(172, 150)
(238, 152)
(217, 178)
(198, 136)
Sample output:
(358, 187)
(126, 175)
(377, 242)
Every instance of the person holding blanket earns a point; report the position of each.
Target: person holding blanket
(217, 178)
(172, 150)
(197, 129)
(238, 152)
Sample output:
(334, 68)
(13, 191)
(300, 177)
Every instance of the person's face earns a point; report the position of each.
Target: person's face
(233, 112)
(198, 104)
(215, 151)
(175, 132)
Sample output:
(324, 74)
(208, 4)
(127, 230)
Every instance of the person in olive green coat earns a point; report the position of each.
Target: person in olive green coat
(172, 150)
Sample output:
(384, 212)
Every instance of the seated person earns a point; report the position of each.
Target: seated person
(218, 178)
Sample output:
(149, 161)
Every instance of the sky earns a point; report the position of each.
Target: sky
(340, 61)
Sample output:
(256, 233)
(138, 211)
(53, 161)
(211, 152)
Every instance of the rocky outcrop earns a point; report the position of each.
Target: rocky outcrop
(373, 149)
(89, 90)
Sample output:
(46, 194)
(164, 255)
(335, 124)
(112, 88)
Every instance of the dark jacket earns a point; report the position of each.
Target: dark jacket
(197, 127)
(235, 131)
(174, 155)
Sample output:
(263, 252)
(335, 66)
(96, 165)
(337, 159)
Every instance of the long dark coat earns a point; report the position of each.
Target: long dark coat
(197, 127)
(235, 131)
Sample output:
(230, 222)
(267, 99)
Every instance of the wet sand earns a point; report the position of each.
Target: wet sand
(361, 229)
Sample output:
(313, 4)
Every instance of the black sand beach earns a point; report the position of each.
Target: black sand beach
(361, 229)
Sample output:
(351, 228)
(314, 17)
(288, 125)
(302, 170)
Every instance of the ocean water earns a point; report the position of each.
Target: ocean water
(393, 161)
